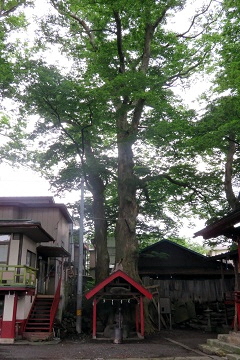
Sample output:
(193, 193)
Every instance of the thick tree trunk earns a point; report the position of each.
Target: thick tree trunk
(97, 188)
(231, 198)
(100, 238)
(126, 241)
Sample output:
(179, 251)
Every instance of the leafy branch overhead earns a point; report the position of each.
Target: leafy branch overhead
(110, 113)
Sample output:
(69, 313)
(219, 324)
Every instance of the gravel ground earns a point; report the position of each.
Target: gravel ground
(165, 344)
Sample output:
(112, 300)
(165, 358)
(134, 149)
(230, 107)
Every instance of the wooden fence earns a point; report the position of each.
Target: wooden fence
(200, 290)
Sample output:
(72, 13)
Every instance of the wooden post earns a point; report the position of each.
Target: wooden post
(137, 318)
(142, 315)
(94, 335)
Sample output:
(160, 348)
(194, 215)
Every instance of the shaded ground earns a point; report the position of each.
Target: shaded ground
(165, 344)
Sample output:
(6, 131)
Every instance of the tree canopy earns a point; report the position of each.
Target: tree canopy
(111, 114)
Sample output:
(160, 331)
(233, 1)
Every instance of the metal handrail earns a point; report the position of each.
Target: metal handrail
(17, 275)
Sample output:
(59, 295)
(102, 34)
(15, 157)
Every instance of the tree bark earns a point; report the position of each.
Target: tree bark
(126, 241)
(97, 188)
(231, 198)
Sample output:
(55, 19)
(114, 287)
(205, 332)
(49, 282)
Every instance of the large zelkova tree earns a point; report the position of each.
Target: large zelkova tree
(217, 140)
(228, 80)
(113, 116)
(12, 21)
(218, 130)
(72, 143)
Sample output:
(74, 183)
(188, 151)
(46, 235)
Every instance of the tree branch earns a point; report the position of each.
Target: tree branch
(143, 182)
(231, 198)
(234, 141)
(119, 42)
(4, 12)
(196, 16)
(182, 74)
(86, 28)
(80, 21)
(58, 117)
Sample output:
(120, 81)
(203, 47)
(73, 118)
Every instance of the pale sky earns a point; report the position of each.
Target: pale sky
(21, 182)
(24, 182)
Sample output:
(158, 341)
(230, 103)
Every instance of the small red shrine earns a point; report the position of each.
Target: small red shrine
(120, 291)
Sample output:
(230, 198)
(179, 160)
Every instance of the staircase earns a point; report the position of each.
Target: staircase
(226, 345)
(38, 325)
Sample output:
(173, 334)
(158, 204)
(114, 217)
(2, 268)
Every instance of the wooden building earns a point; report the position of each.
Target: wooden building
(34, 244)
(229, 227)
(181, 273)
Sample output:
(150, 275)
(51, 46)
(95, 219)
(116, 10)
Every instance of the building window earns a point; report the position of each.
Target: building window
(4, 247)
(31, 259)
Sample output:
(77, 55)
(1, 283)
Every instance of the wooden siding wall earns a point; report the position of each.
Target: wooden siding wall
(48, 217)
(9, 213)
(202, 291)
(52, 221)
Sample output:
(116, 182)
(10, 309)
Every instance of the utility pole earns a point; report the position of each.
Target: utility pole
(80, 263)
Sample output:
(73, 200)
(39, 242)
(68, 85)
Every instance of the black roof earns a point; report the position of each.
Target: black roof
(224, 226)
(167, 256)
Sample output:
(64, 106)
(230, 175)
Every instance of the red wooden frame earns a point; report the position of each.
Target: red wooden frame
(112, 277)
(139, 315)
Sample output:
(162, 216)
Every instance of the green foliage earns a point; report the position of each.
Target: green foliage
(12, 19)
(113, 72)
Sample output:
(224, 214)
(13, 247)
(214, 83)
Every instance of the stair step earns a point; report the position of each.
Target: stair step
(39, 318)
(233, 356)
(37, 328)
(40, 311)
(30, 321)
(231, 338)
(211, 350)
(38, 336)
(38, 324)
(228, 348)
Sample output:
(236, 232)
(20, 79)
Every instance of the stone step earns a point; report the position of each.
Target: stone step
(211, 350)
(233, 356)
(38, 336)
(228, 348)
(231, 338)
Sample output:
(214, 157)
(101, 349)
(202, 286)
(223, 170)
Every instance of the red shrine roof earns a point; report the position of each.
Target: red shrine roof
(112, 278)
